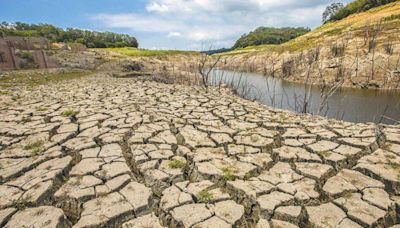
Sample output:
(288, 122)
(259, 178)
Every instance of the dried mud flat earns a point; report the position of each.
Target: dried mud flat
(106, 152)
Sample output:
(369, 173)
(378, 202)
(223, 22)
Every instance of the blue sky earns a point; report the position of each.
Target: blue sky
(169, 24)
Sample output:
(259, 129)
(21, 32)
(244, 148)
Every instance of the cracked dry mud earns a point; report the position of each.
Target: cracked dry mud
(104, 152)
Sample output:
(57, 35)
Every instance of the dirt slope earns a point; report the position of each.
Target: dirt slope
(362, 50)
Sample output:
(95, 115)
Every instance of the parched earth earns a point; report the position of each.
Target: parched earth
(104, 152)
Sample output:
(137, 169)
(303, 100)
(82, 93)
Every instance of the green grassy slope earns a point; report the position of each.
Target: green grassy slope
(135, 52)
(388, 15)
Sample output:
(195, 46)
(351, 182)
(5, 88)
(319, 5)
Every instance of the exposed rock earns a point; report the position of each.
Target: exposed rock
(269, 202)
(191, 214)
(325, 215)
(288, 213)
(44, 216)
(214, 222)
(105, 211)
(138, 196)
(287, 153)
(316, 171)
(6, 214)
(349, 181)
(377, 197)
(143, 222)
(229, 211)
(385, 166)
(280, 173)
(361, 211)
(279, 223)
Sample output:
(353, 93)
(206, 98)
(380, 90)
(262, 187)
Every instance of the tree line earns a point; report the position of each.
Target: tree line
(91, 39)
(337, 11)
(269, 35)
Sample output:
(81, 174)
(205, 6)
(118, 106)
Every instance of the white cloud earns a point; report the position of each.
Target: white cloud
(200, 36)
(156, 7)
(137, 22)
(174, 34)
(220, 23)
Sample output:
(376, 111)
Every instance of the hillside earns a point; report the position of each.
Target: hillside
(91, 39)
(267, 35)
(362, 48)
(358, 6)
(355, 24)
(135, 52)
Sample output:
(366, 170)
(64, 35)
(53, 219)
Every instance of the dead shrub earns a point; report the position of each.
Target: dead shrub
(388, 47)
(337, 50)
(288, 67)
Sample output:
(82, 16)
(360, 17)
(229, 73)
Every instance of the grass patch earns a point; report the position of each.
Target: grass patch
(180, 139)
(26, 119)
(254, 138)
(22, 203)
(36, 147)
(334, 32)
(394, 165)
(392, 17)
(347, 195)
(228, 174)
(39, 212)
(41, 109)
(324, 153)
(136, 52)
(299, 44)
(204, 196)
(77, 181)
(36, 79)
(69, 113)
(176, 164)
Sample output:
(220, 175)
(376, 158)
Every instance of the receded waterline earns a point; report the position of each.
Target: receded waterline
(349, 104)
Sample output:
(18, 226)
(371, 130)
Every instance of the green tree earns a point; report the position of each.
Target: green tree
(268, 35)
(331, 11)
(91, 39)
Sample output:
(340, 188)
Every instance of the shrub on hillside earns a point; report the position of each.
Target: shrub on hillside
(268, 35)
(27, 60)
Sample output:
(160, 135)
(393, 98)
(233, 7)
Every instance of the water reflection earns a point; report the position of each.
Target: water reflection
(355, 105)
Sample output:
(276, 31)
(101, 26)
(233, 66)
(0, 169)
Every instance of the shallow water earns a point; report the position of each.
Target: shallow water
(349, 104)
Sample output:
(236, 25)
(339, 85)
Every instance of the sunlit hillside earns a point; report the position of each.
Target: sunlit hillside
(388, 15)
